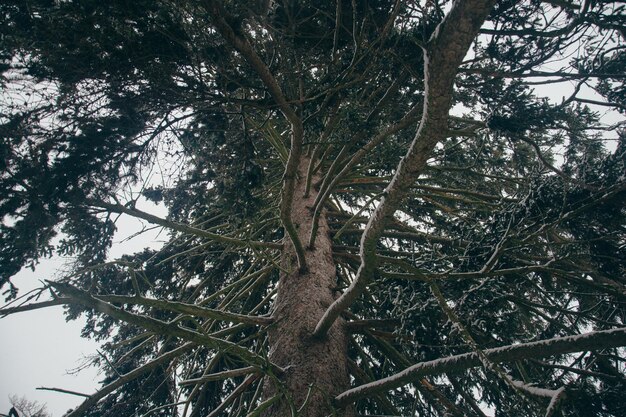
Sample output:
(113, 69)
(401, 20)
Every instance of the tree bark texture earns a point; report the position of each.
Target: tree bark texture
(316, 369)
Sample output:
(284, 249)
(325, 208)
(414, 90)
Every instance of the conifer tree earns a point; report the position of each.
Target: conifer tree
(372, 206)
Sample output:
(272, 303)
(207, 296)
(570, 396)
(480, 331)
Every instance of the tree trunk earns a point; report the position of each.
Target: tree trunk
(316, 369)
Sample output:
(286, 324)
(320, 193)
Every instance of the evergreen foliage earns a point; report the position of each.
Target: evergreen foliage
(513, 232)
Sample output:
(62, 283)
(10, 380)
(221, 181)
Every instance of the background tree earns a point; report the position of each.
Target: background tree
(339, 241)
(27, 408)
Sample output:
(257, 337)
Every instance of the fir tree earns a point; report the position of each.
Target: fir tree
(340, 241)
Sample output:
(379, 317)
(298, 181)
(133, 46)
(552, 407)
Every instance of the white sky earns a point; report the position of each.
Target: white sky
(39, 348)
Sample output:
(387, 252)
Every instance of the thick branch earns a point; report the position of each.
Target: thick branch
(590, 341)
(442, 57)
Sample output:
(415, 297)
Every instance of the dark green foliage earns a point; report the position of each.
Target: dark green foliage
(519, 215)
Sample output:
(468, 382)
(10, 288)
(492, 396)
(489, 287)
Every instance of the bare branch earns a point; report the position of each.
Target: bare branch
(220, 375)
(599, 103)
(64, 391)
(33, 306)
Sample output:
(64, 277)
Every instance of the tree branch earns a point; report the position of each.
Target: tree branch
(442, 56)
(590, 341)
(160, 327)
(218, 376)
(185, 308)
(183, 228)
(33, 306)
(64, 391)
(242, 45)
(135, 373)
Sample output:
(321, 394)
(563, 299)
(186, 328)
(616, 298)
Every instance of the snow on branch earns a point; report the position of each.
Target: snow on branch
(554, 395)
(603, 339)
(443, 55)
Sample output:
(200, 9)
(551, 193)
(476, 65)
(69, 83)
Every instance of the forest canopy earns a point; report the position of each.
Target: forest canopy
(374, 207)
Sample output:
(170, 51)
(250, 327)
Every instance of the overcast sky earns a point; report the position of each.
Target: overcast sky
(40, 349)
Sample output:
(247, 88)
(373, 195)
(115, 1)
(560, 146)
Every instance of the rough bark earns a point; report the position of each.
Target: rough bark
(316, 369)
